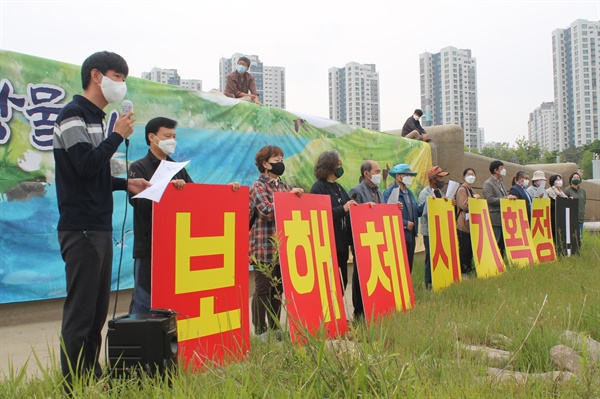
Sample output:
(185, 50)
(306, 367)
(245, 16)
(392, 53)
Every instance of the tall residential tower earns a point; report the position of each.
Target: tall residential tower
(576, 65)
(354, 95)
(449, 91)
(542, 128)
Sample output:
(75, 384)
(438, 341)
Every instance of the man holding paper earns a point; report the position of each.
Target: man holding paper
(160, 136)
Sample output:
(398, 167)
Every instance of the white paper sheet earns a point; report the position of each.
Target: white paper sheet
(393, 199)
(452, 188)
(161, 179)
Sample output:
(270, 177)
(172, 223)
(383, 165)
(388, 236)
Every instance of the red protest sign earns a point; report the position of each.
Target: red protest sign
(200, 269)
(380, 250)
(311, 279)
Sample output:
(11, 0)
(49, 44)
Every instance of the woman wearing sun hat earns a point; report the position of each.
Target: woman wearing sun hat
(538, 184)
(410, 207)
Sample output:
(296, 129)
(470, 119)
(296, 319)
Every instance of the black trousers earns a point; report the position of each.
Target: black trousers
(342, 255)
(357, 303)
(410, 249)
(465, 251)
(266, 301)
(88, 266)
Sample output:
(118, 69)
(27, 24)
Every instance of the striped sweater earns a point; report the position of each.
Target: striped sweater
(82, 156)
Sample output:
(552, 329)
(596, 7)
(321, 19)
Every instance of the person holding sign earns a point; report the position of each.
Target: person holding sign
(577, 192)
(493, 191)
(463, 227)
(266, 301)
(327, 170)
(518, 189)
(538, 181)
(435, 175)
(160, 137)
(410, 208)
(554, 191)
(365, 192)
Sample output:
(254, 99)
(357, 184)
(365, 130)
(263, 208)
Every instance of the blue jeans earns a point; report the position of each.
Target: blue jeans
(140, 301)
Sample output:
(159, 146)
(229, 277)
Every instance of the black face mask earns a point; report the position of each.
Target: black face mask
(440, 184)
(277, 168)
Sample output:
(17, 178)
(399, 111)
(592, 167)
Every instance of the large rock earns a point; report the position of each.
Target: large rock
(565, 358)
(582, 342)
(494, 355)
(501, 375)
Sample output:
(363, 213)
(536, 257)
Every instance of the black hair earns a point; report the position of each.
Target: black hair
(519, 174)
(467, 171)
(365, 167)
(552, 179)
(246, 60)
(571, 177)
(418, 112)
(326, 164)
(264, 154)
(103, 61)
(154, 125)
(495, 165)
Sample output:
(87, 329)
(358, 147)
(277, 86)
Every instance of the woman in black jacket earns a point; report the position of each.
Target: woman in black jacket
(327, 170)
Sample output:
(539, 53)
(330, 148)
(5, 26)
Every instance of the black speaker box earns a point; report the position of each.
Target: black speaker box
(143, 343)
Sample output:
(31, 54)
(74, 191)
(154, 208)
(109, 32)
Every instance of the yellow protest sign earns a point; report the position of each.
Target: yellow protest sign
(516, 232)
(443, 243)
(486, 254)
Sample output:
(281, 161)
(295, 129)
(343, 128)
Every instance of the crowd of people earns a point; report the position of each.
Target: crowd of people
(84, 189)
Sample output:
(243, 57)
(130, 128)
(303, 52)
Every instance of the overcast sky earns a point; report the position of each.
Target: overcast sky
(511, 41)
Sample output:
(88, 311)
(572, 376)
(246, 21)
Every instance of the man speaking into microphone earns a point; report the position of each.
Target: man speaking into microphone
(84, 187)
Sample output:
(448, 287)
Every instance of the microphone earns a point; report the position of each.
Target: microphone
(126, 106)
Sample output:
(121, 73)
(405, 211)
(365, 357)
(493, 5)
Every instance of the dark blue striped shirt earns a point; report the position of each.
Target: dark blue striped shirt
(82, 156)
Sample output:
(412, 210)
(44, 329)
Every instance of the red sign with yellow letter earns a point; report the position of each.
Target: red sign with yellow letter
(200, 269)
(309, 271)
(380, 250)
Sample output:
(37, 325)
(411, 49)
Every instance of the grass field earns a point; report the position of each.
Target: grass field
(406, 355)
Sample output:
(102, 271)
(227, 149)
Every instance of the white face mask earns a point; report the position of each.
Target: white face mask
(470, 179)
(558, 183)
(407, 180)
(416, 117)
(525, 183)
(167, 146)
(503, 172)
(113, 91)
(376, 179)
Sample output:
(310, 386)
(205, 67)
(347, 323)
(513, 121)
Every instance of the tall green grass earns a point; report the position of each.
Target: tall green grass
(405, 355)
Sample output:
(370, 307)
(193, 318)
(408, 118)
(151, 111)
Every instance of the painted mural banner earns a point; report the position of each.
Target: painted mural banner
(200, 270)
(443, 243)
(218, 135)
(381, 260)
(516, 232)
(312, 285)
(486, 254)
(541, 230)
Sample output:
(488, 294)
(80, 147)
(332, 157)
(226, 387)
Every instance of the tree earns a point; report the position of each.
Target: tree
(571, 154)
(587, 156)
